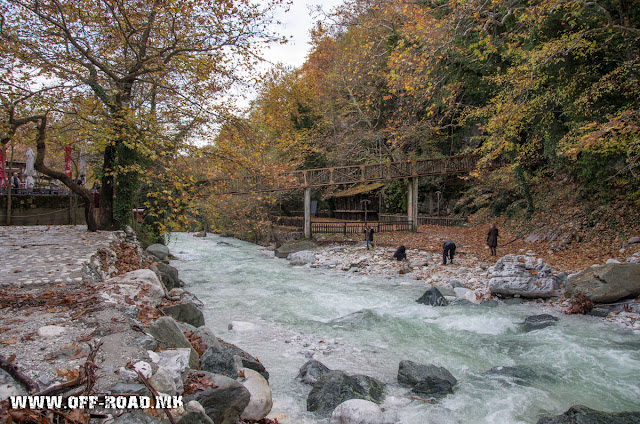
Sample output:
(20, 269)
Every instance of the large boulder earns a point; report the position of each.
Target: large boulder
(185, 312)
(579, 414)
(521, 275)
(606, 284)
(432, 297)
(411, 373)
(357, 411)
(223, 400)
(301, 258)
(261, 400)
(169, 336)
(228, 359)
(336, 387)
(168, 275)
(311, 371)
(158, 250)
(294, 246)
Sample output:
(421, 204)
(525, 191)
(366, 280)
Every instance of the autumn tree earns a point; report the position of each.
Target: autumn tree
(152, 68)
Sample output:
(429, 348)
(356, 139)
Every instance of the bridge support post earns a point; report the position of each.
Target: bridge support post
(307, 213)
(412, 203)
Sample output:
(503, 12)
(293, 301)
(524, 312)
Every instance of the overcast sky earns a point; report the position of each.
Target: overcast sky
(297, 23)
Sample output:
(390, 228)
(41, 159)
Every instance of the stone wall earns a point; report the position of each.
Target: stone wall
(43, 210)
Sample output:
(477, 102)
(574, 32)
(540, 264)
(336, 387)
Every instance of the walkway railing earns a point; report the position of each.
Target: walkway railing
(346, 175)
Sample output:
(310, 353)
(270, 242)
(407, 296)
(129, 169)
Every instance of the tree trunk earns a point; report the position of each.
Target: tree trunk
(66, 180)
(106, 191)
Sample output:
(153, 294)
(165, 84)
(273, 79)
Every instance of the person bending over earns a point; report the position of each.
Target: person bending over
(401, 253)
(448, 249)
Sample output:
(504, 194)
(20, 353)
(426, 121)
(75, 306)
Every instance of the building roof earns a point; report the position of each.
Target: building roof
(358, 189)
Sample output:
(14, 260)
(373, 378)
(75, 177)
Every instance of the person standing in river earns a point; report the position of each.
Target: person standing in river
(448, 250)
(492, 239)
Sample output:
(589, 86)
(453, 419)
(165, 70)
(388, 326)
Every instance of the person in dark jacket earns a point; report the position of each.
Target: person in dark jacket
(492, 239)
(401, 253)
(448, 249)
(368, 236)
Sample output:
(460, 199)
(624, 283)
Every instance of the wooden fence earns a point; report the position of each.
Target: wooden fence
(443, 221)
(341, 227)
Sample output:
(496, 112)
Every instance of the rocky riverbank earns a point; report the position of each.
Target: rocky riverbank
(92, 316)
(611, 290)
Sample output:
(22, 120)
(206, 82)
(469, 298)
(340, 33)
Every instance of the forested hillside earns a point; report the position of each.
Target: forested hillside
(548, 89)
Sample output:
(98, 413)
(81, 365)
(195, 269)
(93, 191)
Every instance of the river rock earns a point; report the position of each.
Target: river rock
(522, 275)
(158, 250)
(607, 283)
(580, 414)
(294, 246)
(633, 240)
(411, 373)
(185, 312)
(168, 275)
(357, 411)
(432, 297)
(261, 401)
(193, 417)
(219, 361)
(514, 374)
(51, 331)
(241, 359)
(129, 388)
(301, 258)
(163, 382)
(311, 371)
(223, 401)
(166, 331)
(537, 322)
(205, 339)
(335, 387)
(433, 387)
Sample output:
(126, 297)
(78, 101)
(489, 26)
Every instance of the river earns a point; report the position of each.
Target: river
(366, 325)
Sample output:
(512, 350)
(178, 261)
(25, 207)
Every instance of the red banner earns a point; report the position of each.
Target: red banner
(67, 160)
(3, 163)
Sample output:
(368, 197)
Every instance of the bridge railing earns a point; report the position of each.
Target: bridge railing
(346, 175)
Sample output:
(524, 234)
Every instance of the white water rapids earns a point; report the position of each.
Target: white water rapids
(367, 325)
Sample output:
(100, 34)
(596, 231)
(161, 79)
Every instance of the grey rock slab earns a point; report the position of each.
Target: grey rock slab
(607, 283)
(523, 276)
(169, 336)
(168, 275)
(185, 312)
(158, 250)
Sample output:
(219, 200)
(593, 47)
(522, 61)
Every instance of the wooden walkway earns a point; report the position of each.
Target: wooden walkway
(307, 178)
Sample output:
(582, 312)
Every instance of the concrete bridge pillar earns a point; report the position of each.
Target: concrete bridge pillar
(307, 213)
(412, 203)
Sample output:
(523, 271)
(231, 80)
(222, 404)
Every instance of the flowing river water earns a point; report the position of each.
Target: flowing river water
(366, 325)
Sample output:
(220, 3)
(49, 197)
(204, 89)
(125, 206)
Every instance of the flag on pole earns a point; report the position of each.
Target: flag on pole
(67, 160)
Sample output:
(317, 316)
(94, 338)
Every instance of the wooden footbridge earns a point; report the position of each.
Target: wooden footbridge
(307, 179)
(354, 174)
